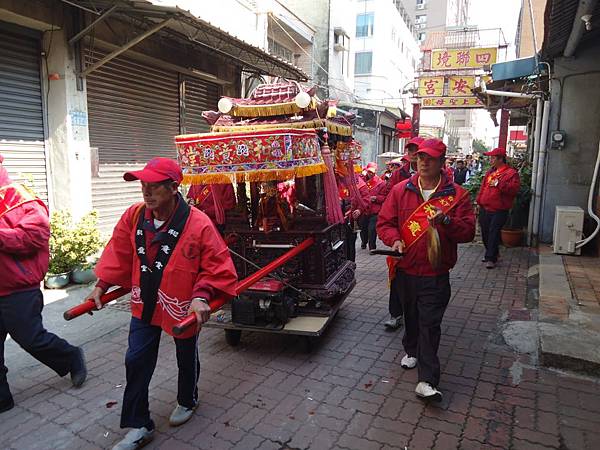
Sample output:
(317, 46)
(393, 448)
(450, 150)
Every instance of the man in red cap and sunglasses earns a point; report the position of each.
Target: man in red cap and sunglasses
(499, 188)
(424, 218)
(24, 251)
(174, 261)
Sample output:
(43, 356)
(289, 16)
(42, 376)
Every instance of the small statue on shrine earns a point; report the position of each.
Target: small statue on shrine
(273, 211)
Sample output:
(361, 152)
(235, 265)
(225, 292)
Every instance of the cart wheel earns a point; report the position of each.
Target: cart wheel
(233, 337)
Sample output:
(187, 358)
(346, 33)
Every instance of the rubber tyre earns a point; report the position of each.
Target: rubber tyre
(233, 337)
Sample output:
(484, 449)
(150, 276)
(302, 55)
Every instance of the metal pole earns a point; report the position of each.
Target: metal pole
(534, 168)
(85, 31)
(539, 182)
(126, 47)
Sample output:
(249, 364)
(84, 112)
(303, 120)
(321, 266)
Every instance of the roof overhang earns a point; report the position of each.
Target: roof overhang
(517, 68)
(184, 26)
(564, 28)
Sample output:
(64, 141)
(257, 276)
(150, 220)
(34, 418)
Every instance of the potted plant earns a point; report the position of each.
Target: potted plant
(513, 231)
(62, 256)
(87, 243)
(72, 249)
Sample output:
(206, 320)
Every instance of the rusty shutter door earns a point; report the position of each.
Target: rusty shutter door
(133, 111)
(21, 108)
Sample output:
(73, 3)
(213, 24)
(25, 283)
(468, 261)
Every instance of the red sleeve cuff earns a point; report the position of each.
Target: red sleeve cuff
(103, 285)
(203, 292)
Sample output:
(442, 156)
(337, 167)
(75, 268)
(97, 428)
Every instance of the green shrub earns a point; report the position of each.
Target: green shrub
(73, 245)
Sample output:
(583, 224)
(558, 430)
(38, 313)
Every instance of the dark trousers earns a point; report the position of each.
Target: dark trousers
(140, 362)
(424, 300)
(491, 223)
(395, 304)
(368, 233)
(350, 242)
(21, 317)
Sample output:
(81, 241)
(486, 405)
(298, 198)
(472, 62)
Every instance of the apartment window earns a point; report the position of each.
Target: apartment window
(421, 36)
(275, 48)
(421, 4)
(363, 63)
(364, 25)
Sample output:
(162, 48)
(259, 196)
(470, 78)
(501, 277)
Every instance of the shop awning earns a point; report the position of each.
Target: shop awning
(185, 26)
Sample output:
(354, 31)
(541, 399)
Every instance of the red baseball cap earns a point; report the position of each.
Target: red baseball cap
(157, 170)
(433, 147)
(496, 152)
(372, 167)
(417, 140)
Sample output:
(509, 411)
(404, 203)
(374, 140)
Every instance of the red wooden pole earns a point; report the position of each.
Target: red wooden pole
(246, 283)
(416, 119)
(88, 305)
(504, 122)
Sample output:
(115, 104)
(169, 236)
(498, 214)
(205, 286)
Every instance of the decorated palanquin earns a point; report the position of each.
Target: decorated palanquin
(288, 156)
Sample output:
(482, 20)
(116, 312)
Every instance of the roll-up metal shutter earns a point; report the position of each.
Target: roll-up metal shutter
(21, 108)
(133, 111)
(198, 96)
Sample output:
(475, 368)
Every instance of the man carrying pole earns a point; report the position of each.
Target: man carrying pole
(425, 218)
(174, 261)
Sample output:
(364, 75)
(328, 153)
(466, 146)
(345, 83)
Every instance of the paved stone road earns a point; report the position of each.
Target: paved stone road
(350, 392)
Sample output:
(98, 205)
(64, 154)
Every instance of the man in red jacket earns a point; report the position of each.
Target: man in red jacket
(377, 192)
(409, 167)
(425, 218)
(498, 190)
(24, 234)
(174, 261)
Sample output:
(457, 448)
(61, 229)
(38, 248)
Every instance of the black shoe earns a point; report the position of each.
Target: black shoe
(363, 246)
(78, 369)
(7, 405)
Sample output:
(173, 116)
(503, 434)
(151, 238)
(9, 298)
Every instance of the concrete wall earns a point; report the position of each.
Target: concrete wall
(576, 110)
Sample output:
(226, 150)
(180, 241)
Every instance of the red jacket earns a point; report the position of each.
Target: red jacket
(380, 192)
(499, 197)
(400, 204)
(24, 235)
(206, 203)
(200, 266)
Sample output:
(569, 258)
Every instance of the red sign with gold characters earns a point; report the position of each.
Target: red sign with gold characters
(468, 58)
(451, 102)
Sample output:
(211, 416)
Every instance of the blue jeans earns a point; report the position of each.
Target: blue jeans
(140, 362)
(21, 317)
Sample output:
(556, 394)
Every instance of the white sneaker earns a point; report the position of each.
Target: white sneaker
(181, 415)
(393, 323)
(408, 362)
(134, 439)
(428, 392)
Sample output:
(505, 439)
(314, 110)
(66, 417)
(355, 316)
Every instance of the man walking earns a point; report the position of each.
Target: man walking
(425, 218)
(461, 173)
(499, 188)
(174, 261)
(24, 235)
(376, 195)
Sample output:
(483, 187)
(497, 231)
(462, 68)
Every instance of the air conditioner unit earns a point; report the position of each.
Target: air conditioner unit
(421, 6)
(568, 229)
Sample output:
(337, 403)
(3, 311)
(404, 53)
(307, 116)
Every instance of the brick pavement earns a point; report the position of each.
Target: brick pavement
(349, 393)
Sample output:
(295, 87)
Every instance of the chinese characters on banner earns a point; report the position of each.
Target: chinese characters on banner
(460, 86)
(473, 58)
(451, 102)
(431, 86)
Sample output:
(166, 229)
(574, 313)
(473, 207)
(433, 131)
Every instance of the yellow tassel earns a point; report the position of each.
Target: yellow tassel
(254, 175)
(434, 252)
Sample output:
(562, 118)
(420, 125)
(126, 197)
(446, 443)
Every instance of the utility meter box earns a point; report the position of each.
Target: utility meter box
(568, 229)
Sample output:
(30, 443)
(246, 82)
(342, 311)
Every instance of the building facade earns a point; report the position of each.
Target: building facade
(85, 100)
